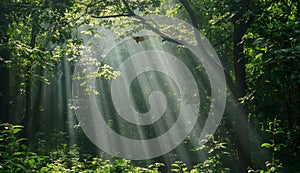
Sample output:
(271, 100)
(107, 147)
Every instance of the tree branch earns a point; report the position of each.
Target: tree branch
(194, 21)
(155, 30)
(218, 66)
(130, 12)
(111, 16)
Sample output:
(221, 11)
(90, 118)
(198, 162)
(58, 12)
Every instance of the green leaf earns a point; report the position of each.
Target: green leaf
(16, 131)
(174, 170)
(193, 171)
(17, 126)
(259, 55)
(175, 165)
(23, 146)
(266, 145)
(279, 130)
(21, 166)
(18, 153)
(21, 139)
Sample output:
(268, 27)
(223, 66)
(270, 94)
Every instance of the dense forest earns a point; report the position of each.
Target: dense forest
(227, 71)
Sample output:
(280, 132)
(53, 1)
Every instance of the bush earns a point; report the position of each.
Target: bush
(13, 155)
(15, 158)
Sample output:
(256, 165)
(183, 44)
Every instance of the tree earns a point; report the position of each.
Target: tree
(273, 79)
(4, 57)
(30, 32)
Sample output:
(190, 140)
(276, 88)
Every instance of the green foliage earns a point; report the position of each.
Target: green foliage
(36, 37)
(216, 153)
(274, 146)
(13, 155)
(63, 158)
(15, 158)
(92, 70)
(179, 166)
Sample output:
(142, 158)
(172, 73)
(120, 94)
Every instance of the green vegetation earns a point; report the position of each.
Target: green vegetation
(258, 42)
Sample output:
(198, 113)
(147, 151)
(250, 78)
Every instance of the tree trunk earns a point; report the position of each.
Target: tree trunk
(4, 87)
(241, 127)
(298, 103)
(4, 55)
(239, 58)
(28, 80)
(36, 107)
(4, 92)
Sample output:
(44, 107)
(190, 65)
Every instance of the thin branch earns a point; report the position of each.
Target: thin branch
(218, 66)
(111, 16)
(143, 21)
(194, 21)
(130, 12)
(155, 30)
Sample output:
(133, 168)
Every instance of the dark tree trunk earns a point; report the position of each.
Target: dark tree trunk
(240, 25)
(28, 81)
(298, 105)
(64, 93)
(239, 58)
(37, 103)
(241, 128)
(4, 93)
(4, 55)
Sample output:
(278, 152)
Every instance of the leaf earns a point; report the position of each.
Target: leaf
(18, 153)
(16, 131)
(266, 145)
(21, 139)
(279, 130)
(174, 170)
(31, 162)
(193, 171)
(259, 55)
(175, 165)
(23, 146)
(17, 126)
(21, 166)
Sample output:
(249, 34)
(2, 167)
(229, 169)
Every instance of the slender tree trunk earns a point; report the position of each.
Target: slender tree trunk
(239, 58)
(241, 127)
(64, 94)
(4, 93)
(298, 105)
(37, 103)
(240, 28)
(4, 72)
(28, 80)
(4, 87)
